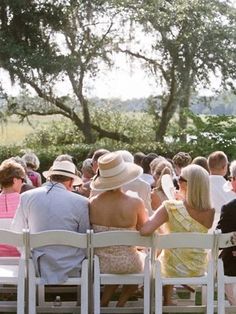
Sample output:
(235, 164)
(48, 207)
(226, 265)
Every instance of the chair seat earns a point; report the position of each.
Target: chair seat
(111, 279)
(8, 272)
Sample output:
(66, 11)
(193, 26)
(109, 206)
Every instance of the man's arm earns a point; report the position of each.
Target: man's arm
(19, 221)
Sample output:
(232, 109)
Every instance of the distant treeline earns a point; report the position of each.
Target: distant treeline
(218, 105)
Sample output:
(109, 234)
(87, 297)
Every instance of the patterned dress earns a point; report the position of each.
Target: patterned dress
(182, 262)
(119, 259)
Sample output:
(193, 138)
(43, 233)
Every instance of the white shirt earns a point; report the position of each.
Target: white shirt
(219, 197)
(143, 190)
(148, 178)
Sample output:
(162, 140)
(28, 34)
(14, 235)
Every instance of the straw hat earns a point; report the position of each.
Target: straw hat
(113, 172)
(64, 168)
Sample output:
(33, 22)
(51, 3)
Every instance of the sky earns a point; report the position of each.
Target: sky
(124, 83)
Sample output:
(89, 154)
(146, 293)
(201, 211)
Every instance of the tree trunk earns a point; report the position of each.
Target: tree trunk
(183, 106)
(167, 110)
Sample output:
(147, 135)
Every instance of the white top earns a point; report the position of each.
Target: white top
(148, 178)
(219, 196)
(143, 189)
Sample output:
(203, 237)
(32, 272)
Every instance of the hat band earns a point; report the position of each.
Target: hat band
(106, 173)
(66, 171)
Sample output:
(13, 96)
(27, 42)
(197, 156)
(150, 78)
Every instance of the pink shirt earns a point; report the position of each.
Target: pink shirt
(8, 205)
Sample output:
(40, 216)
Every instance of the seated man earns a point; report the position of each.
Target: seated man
(218, 166)
(54, 207)
(227, 223)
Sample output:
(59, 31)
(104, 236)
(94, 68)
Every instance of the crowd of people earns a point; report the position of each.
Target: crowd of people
(116, 191)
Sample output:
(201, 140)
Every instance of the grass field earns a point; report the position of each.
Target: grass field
(14, 132)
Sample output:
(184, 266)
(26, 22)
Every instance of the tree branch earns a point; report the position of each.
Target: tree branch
(151, 61)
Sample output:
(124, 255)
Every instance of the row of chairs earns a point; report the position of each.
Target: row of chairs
(21, 272)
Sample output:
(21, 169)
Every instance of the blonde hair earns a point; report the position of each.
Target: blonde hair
(232, 168)
(217, 160)
(198, 187)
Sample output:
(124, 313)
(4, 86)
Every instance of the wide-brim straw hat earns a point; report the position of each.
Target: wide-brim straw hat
(63, 168)
(113, 172)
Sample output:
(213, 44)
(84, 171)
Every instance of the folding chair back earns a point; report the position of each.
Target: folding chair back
(58, 238)
(225, 240)
(185, 241)
(13, 270)
(127, 238)
(5, 223)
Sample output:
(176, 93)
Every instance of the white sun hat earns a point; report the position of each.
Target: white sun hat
(113, 172)
(64, 168)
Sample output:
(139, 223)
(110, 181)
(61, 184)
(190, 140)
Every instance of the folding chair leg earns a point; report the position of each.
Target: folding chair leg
(158, 291)
(146, 297)
(20, 294)
(220, 288)
(84, 289)
(32, 289)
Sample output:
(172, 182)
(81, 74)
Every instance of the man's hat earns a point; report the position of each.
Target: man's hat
(64, 168)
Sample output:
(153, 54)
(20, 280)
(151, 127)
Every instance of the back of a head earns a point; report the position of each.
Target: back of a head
(182, 159)
(201, 161)
(155, 162)
(147, 160)
(126, 155)
(31, 160)
(138, 157)
(64, 157)
(87, 167)
(9, 169)
(198, 187)
(232, 169)
(98, 153)
(217, 162)
(163, 167)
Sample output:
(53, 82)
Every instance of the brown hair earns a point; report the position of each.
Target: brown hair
(182, 159)
(164, 167)
(9, 170)
(201, 161)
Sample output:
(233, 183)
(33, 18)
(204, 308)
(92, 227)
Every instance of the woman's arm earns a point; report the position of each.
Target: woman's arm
(155, 221)
(142, 215)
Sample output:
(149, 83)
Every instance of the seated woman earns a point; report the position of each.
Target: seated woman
(157, 194)
(32, 163)
(191, 213)
(112, 209)
(12, 176)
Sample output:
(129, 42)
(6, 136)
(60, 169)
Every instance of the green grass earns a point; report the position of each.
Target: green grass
(14, 132)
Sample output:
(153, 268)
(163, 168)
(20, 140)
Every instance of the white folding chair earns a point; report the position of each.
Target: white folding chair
(185, 240)
(225, 240)
(111, 238)
(65, 238)
(13, 271)
(5, 223)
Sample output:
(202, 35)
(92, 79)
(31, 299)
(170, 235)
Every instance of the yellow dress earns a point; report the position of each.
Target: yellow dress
(182, 262)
